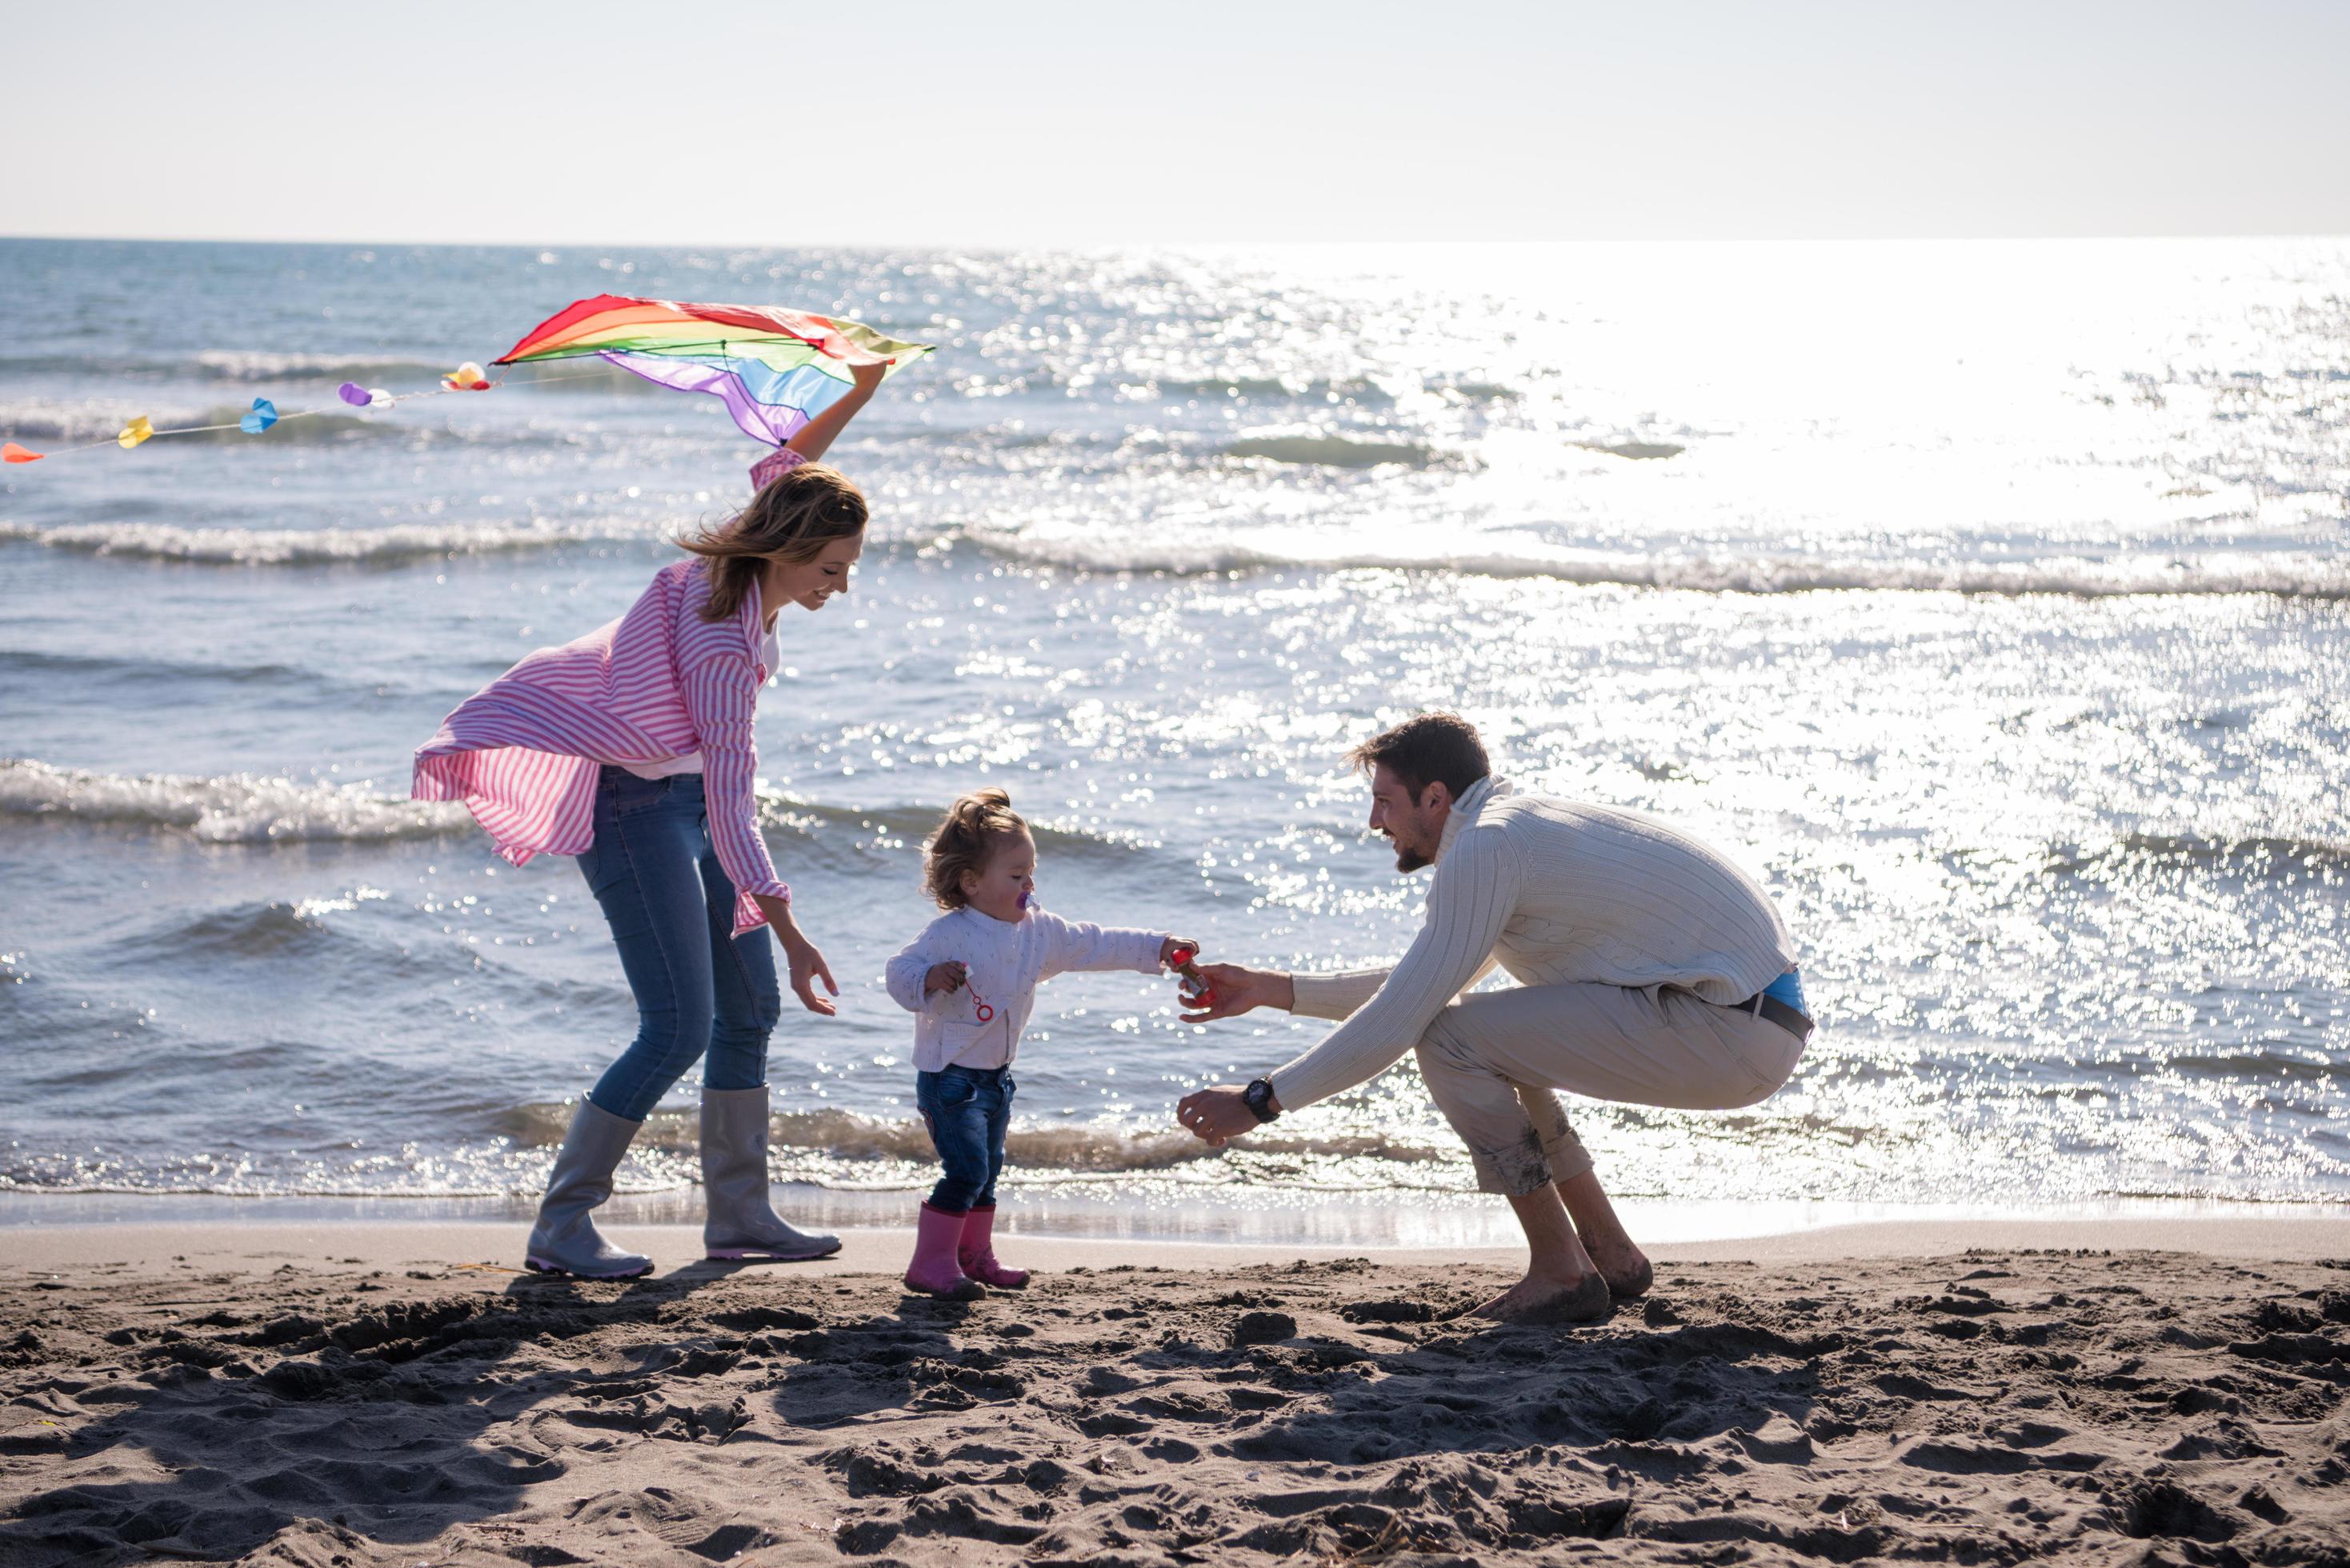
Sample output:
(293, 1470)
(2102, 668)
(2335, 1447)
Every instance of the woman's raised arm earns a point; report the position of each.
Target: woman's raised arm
(815, 438)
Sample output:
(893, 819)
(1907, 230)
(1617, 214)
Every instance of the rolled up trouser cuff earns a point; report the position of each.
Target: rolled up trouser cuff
(1513, 1171)
(1564, 1151)
(1532, 1165)
(1507, 1147)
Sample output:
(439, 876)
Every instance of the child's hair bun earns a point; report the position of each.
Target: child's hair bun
(974, 823)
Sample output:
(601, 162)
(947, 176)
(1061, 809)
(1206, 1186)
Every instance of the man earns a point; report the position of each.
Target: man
(1650, 970)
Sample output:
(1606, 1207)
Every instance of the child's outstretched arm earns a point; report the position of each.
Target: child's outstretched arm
(1075, 945)
(815, 438)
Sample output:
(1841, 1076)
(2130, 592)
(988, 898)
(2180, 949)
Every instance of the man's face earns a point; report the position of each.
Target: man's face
(1414, 826)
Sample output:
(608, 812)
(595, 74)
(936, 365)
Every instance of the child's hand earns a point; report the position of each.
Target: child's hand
(1179, 955)
(865, 378)
(948, 976)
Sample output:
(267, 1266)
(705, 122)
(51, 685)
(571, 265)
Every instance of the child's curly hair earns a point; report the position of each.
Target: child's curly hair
(974, 824)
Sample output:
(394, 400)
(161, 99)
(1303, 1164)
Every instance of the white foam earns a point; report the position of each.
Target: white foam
(238, 808)
(2295, 575)
(316, 546)
(255, 364)
(37, 420)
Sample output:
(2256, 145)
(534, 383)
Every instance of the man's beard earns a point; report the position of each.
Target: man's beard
(1410, 859)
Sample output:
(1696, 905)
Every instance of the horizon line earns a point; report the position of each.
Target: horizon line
(1005, 245)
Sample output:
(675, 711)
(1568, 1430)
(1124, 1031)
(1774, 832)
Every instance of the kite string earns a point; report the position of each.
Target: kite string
(326, 409)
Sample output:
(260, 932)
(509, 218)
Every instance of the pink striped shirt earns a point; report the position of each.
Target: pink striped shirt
(659, 683)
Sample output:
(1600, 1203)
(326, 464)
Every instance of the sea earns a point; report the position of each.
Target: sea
(1989, 601)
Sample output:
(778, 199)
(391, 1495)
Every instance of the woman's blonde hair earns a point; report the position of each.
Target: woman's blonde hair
(799, 512)
(975, 823)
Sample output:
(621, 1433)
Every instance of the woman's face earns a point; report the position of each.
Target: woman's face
(809, 584)
(1003, 890)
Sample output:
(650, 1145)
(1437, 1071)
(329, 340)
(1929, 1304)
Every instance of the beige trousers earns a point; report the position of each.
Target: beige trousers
(1492, 1059)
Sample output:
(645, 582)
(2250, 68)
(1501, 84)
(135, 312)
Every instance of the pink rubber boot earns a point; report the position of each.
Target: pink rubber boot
(933, 1270)
(977, 1253)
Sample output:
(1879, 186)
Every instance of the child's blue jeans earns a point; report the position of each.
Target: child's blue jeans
(967, 1109)
(698, 986)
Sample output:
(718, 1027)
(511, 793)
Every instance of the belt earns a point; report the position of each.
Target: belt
(1763, 1005)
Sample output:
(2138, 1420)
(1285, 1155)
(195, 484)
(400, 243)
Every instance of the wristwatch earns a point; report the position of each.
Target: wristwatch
(1258, 1098)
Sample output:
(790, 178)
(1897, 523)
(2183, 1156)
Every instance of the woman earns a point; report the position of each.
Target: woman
(631, 748)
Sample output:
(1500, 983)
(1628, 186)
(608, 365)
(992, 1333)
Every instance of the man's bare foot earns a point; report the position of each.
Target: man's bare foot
(1623, 1266)
(1544, 1300)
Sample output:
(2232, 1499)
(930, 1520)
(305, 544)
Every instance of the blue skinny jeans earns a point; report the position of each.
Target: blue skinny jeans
(966, 1109)
(698, 987)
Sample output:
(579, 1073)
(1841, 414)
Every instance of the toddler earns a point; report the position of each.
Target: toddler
(970, 979)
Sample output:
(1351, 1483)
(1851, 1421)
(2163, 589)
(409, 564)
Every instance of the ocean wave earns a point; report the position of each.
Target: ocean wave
(261, 364)
(387, 545)
(236, 809)
(1045, 1152)
(231, 365)
(254, 931)
(2254, 852)
(52, 419)
(57, 420)
(1184, 552)
(1638, 451)
(240, 808)
(907, 826)
(136, 666)
(1325, 450)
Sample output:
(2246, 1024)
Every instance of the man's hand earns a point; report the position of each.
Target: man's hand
(1217, 1115)
(1233, 988)
(947, 976)
(1176, 951)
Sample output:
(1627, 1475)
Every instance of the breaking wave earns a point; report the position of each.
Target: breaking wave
(2258, 854)
(242, 809)
(905, 825)
(849, 1139)
(1333, 450)
(387, 545)
(258, 364)
(1182, 553)
(238, 808)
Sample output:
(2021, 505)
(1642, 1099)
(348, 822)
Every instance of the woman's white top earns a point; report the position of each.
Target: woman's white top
(980, 1024)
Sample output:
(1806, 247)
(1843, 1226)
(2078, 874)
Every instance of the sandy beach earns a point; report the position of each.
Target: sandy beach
(387, 1395)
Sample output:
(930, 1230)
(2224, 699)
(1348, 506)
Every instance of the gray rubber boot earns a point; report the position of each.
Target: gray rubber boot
(565, 1239)
(734, 1184)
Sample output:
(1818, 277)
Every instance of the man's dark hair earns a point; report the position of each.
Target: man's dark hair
(1432, 748)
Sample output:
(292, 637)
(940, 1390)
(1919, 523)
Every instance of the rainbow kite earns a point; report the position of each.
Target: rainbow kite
(775, 368)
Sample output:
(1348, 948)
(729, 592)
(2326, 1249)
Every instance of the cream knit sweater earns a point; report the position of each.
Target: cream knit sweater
(1557, 892)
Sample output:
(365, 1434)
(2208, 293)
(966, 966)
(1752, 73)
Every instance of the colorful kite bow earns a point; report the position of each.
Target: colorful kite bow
(774, 368)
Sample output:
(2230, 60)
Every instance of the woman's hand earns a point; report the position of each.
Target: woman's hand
(1234, 989)
(807, 968)
(947, 976)
(807, 965)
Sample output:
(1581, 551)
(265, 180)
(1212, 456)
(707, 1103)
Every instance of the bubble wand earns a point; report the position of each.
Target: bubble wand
(1197, 991)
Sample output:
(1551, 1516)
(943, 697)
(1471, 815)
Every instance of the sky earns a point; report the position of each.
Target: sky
(1045, 124)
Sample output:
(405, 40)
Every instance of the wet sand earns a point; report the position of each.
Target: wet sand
(240, 1392)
